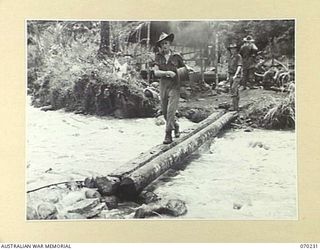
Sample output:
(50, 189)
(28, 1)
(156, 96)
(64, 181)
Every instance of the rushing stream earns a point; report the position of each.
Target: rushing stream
(240, 175)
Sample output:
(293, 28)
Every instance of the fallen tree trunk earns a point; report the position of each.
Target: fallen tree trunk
(132, 184)
(149, 155)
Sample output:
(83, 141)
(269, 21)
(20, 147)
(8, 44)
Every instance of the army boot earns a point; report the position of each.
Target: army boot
(168, 137)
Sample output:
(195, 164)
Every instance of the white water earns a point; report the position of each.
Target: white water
(236, 171)
(256, 170)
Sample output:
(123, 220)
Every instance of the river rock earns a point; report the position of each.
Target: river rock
(32, 214)
(248, 130)
(90, 183)
(112, 214)
(73, 197)
(83, 206)
(160, 121)
(176, 207)
(196, 115)
(147, 197)
(91, 193)
(88, 207)
(111, 201)
(258, 144)
(148, 211)
(128, 207)
(53, 197)
(95, 211)
(47, 211)
(107, 185)
(237, 206)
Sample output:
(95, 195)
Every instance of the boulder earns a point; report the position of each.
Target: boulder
(147, 211)
(47, 211)
(73, 197)
(92, 193)
(87, 208)
(90, 183)
(147, 197)
(174, 207)
(53, 196)
(160, 121)
(111, 202)
(196, 115)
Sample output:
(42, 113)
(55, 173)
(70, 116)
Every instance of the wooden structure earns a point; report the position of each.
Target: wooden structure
(149, 166)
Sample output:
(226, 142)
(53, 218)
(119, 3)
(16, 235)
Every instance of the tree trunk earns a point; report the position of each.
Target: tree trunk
(132, 184)
(105, 38)
(149, 155)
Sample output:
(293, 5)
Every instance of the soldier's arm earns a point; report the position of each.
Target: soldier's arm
(163, 73)
(239, 66)
(160, 72)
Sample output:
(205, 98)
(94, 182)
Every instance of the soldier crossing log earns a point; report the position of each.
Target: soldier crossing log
(134, 182)
(155, 151)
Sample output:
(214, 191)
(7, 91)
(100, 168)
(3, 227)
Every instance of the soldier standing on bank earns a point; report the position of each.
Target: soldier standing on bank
(234, 74)
(248, 52)
(171, 70)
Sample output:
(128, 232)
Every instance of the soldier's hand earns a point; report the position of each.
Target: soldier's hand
(170, 74)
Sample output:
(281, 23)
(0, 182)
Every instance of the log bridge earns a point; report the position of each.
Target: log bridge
(131, 178)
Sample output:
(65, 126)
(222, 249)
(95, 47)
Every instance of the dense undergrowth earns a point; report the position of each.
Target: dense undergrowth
(65, 70)
(273, 113)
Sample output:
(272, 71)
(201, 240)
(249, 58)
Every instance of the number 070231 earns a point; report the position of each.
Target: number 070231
(309, 246)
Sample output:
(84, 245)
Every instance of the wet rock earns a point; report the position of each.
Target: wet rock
(112, 214)
(147, 197)
(111, 201)
(160, 121)
(107, 185)
(176, 207)
(258, 144)
(53, 197)
(196, 115)
(47, 211)
(248, 130)
(173, 207)
(91, 193)
(128, 207)
(83, 206)
(147, 211)
(237, 206)
(90, 183)
(88, 207)
(95, 211)
(73, 197)
(32, 214)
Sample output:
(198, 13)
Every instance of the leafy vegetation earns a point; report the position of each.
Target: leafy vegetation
(97, 67)
(274, 113)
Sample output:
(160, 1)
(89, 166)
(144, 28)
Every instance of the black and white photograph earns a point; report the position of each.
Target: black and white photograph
(161, 120)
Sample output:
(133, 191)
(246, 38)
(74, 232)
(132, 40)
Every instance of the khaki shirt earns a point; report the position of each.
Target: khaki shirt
(248, 53)
(174, 62)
